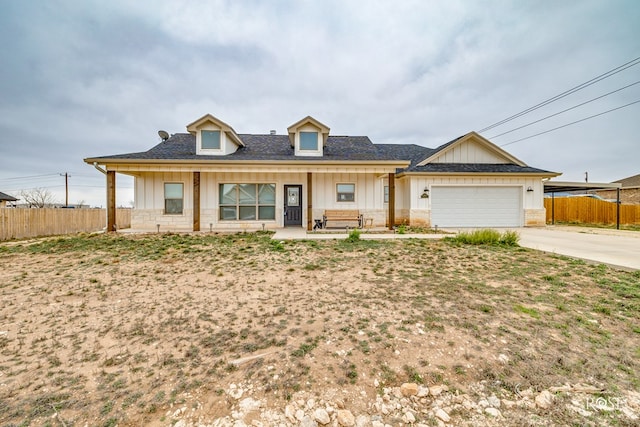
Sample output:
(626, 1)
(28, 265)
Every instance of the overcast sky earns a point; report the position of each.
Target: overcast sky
(91, 78)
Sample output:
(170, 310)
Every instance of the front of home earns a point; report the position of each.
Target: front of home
(212, 178)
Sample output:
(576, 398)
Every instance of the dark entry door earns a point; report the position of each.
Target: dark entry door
(293, 205)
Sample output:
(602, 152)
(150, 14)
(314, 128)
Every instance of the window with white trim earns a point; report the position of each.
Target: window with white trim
(309, 141)
(386, 194)
(346, 192)
(210, 140)
(173, 198)
(247, 202)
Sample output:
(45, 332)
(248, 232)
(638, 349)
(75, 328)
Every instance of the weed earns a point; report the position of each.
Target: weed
(354, 236)
(412, 374)
(364, 346)
(106, 408)
(526, 310)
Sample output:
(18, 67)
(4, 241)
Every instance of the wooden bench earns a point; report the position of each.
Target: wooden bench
(342, 216)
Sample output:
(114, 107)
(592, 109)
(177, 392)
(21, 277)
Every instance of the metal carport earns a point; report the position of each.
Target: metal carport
(567, 186)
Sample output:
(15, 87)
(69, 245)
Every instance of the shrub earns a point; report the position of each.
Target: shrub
(486, 237)
(510, 238)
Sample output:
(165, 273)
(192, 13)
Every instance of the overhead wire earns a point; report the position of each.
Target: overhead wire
(28, 177)
(564, 111)
(581, 86)
(572, 123)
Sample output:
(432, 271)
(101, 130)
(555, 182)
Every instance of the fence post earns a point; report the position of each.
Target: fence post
(618, 208)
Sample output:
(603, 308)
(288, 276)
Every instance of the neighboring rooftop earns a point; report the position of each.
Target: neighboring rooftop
(7, 198)
(632, 181)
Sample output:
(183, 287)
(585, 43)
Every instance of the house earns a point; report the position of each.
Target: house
(629, 192)
(214, 178)
(4, 198)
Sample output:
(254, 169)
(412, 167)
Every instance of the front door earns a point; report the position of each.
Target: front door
(293, 205)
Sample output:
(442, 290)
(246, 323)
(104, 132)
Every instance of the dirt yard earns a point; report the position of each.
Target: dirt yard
(217, 330)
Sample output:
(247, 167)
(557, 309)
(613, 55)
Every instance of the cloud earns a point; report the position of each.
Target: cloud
(95, 78)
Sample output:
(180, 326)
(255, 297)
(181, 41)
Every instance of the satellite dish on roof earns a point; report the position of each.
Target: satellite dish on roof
(163, 135)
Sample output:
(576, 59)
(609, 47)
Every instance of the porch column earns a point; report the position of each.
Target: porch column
(309, 202)
(111, 201)
(196, 201)
(392, 200)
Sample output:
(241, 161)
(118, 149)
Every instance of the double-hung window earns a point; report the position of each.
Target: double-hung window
(247, 202)
(346, 192)
(173, 198)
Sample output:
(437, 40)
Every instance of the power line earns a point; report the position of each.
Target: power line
(564, 111)
(35, 188)
(581, 86)
(572, 123)
(28, 177)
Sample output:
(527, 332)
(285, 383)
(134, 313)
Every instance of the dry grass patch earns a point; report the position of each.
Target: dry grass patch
(112, 330)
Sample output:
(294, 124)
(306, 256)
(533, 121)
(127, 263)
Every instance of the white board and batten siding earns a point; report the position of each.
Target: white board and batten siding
(477, 206)
(469, 152)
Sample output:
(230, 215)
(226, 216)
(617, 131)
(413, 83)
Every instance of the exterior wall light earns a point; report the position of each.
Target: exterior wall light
(529, 189)
(425, 193)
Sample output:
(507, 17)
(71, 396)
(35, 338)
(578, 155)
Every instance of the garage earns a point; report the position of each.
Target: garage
(476, 206)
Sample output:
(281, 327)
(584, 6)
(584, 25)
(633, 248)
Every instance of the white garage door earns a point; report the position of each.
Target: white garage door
(476, 206)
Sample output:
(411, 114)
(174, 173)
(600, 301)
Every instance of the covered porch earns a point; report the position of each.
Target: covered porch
(374, 195)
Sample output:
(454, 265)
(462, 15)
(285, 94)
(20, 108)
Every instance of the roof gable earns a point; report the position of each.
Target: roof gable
(471, 148)
(305, 122)
(210, 119)
(308, 120)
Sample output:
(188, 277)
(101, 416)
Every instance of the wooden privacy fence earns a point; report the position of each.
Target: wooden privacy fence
(23, 223)
(590, 210)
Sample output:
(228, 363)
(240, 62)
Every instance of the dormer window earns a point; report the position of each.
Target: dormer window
(309, 141)
(211, 139)
(308, 137)
(214, 137)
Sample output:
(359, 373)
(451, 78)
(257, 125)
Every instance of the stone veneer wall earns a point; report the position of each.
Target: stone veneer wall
(147, 219)
(420, 218)
(532, 218)
(535, 217)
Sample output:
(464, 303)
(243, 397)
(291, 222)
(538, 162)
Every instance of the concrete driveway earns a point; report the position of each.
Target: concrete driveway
(603, 246)
(613, 247)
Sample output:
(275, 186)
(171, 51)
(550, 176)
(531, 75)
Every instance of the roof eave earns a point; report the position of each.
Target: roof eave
(537, 174)
(111, 161)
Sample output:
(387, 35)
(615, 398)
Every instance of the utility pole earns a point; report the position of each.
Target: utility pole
(66, 189)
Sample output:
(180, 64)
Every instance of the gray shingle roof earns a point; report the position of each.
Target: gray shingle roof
(6, 197)
(632, 181)
(182, 146)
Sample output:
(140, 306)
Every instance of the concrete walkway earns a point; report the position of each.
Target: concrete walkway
(374, 234)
